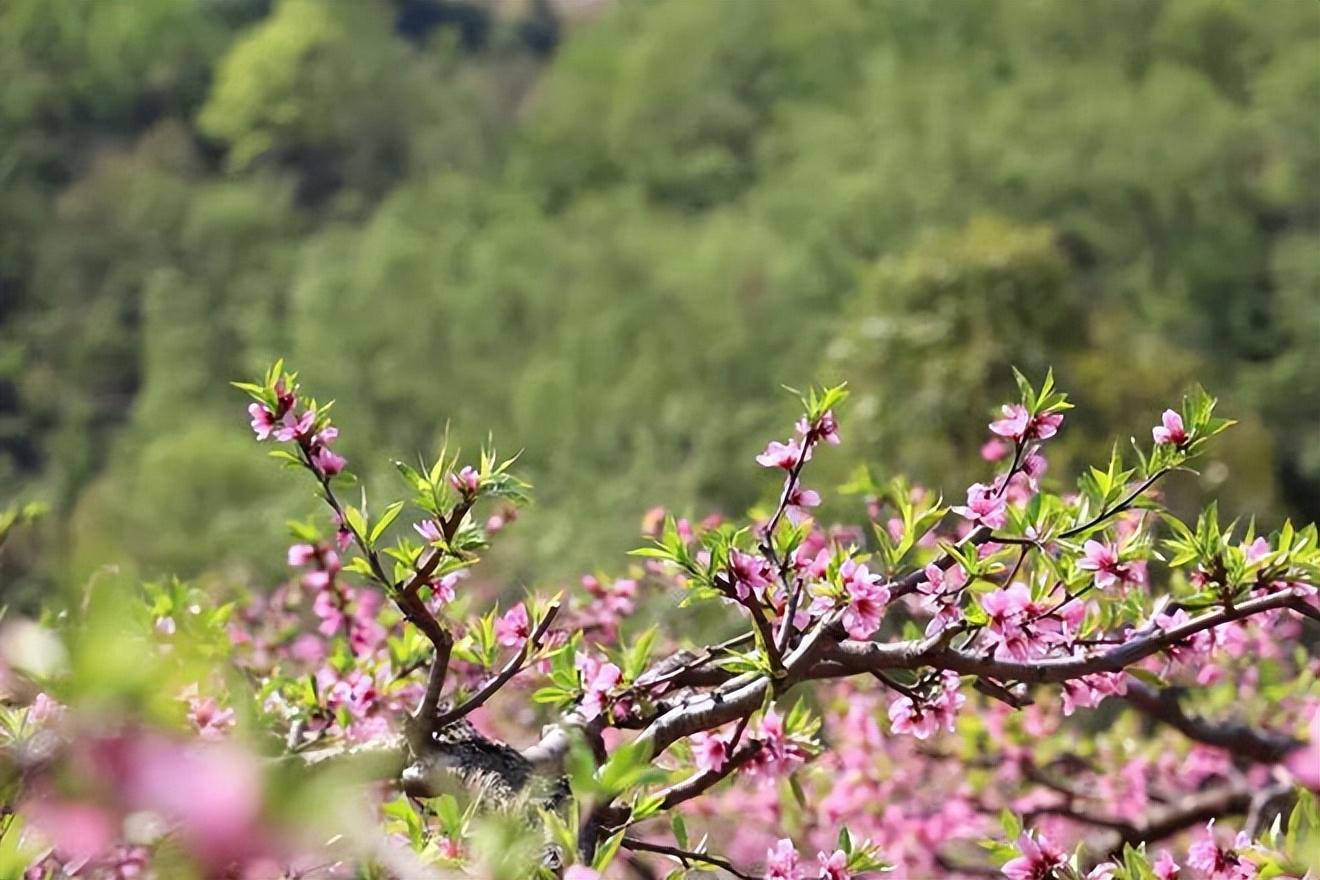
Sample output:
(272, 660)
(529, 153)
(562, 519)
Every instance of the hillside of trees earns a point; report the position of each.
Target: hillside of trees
(610, 237)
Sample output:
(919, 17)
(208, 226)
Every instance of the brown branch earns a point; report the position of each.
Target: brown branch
(685, 857)
(909, 582)
(1117, 508)
(512, 668)
(699, 783)
(866, 656)
(1263, 746)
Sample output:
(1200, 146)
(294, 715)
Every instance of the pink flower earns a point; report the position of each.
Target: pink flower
(78, 831)
(327, 461)
(263, 420)
(1216, 863)
(709, 752)
(430, 530)
(1018, 424)
(984, 505)
(833, 866)
(442, 590)
(284, 397)
(212, 722)
(778, 754)
(781, 861)
(827, 429)
(940, 596)
(466, 482)
(815, 566)
(907, 716)
(1102, 871)
(1171, 432)
(783, 455)
(925, 717)
(749, 574)
(1103, 560)
(1165, 867)
(210, 793)
(1004, 606)
(301, 554)
(1011, 627)
(1257, 550)
(995, 449)
(1038, 861)
(800, 502)
(292, 428)
(598, 679)
(866, 600)
(514, 627)
(1091, 690)
(581, 872)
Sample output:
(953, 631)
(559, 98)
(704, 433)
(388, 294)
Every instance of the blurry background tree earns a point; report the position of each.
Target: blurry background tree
(608, 232)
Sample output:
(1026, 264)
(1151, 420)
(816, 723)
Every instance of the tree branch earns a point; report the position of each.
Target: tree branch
(685, 857)
(1257, 745)
(512, 668)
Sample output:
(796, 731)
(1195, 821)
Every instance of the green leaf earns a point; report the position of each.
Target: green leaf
(391, 513)
(354, 520)
(679, 827)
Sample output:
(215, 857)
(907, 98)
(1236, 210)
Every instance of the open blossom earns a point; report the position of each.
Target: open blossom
(866, 599)
(1038, 861)
(940, 596)
(1171, 431)
(923, 718)
(984, 505)
(812, 565)
(778, 754)
(782, 861)
(429, 529)
(442, 590)
(1109, 571)
(1216, 863)
(466, 482)
(709, 752)
(1090, 690)
(1006, 608)
(291, 427)
(1165, 867)
(513, 627)
(301, 554)
(598, 679)
(263, 420)
(783, 455)
(1018, 424)
(833, 866)
(801, 501)
(211, 721)
(749, 574)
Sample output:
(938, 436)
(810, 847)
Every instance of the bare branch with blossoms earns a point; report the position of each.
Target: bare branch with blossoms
(809, 726)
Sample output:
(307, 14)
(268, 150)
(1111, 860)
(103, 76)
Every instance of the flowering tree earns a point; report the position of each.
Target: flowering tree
(1032, 684)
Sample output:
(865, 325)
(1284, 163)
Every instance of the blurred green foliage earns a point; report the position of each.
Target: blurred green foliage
(609, 238)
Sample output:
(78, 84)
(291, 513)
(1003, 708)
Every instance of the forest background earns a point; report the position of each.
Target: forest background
(608, 232)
